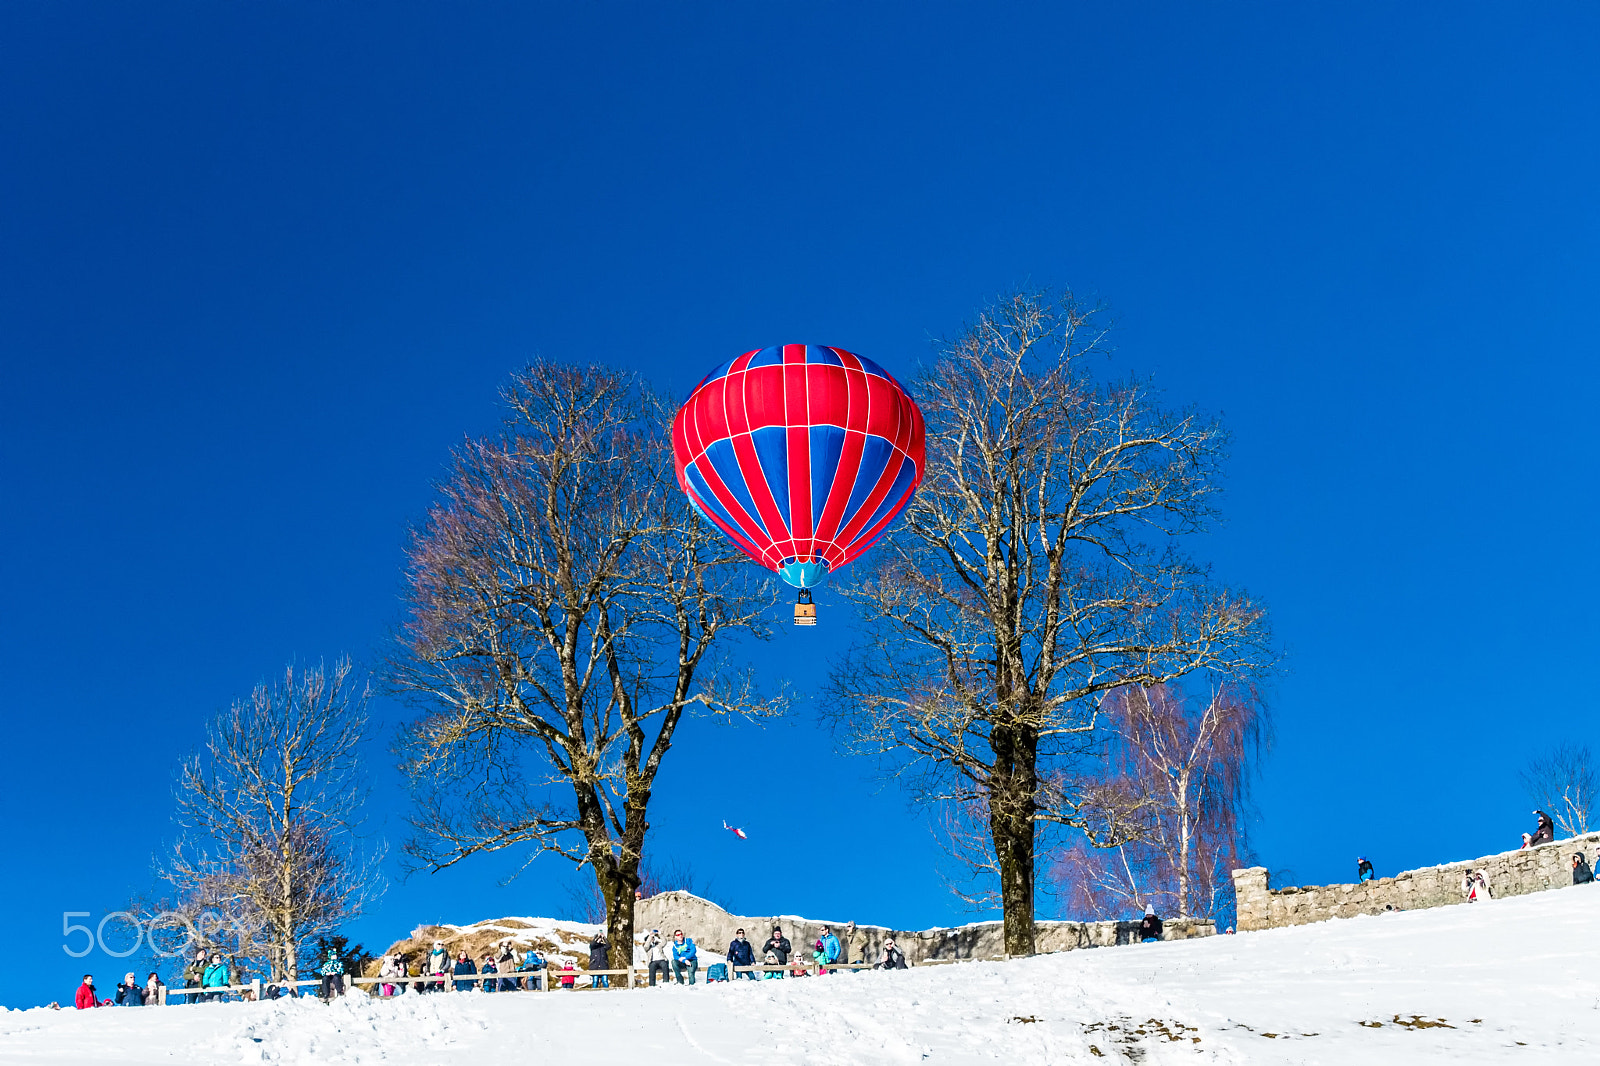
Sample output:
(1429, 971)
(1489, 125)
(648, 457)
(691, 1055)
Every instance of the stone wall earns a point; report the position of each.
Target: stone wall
(1510, 873)
(712, 927)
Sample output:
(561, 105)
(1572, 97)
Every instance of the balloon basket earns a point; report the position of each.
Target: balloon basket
(805, 612)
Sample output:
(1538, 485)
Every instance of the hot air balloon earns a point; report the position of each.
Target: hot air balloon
(802, 455)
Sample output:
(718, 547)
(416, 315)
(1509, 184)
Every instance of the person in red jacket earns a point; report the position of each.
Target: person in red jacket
(86, 997)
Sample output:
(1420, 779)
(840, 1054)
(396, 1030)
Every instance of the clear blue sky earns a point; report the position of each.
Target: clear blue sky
(262, 265)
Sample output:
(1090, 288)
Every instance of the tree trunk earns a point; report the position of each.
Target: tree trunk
(1013, 844)
(1183, 846)
(1012, 803)
(618, 895)
(1015, 849)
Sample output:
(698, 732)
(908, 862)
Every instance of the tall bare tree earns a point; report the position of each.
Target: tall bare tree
(1562, 783)
(567, 608)
(269, 812)
(1183, 759)
(1036, 570)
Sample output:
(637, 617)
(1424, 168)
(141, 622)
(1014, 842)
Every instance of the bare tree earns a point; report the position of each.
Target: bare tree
(567, 608)
(1562, 783)
(269, 813)
(1036, 570)
(1184, 761)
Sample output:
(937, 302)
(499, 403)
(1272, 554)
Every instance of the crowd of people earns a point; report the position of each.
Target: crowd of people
(673, 959)
(505, 970)
(130, 992)
(209, 978)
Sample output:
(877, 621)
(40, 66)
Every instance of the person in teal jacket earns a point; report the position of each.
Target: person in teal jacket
(684, 957)
(215, 976)
(332, 975)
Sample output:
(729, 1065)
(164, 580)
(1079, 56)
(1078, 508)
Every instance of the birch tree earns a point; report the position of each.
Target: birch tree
(1562, 782)
(269, 812)
(1037, 568)
(1182, 760)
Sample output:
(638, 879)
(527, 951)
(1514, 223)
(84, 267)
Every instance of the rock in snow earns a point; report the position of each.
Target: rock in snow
(1511, 980)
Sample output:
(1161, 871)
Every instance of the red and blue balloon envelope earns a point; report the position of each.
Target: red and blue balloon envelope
(802, 455)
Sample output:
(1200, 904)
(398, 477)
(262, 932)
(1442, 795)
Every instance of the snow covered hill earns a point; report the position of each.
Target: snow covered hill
(1512, 980)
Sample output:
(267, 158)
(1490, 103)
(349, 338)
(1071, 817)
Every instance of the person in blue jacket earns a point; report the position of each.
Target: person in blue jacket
(740, 953)
(684, 956)
(1363, 869)
(464, 966)
(130, 993)
(831, 949)
(533, 966)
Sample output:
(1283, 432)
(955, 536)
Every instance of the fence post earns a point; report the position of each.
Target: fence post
(549, 985)
(161, 995)
(255, 989)
(630, 976)
(449, 980)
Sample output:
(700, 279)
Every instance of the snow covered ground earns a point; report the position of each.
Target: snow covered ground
(1513, 980)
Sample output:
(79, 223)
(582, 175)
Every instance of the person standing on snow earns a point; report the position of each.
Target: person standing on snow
(778, 944)
(1545, 833)
(463, 966)
(740, 953)
(437, 964)
(1364, 870)
(831, 948)
(533, 966)
(684, 956)
(1581, 874)
(86, 996)
(1150, 926)
(390, 968)
(599, 959)
(152, 990)
(193, 973)
(215, 976)
(130, 993)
